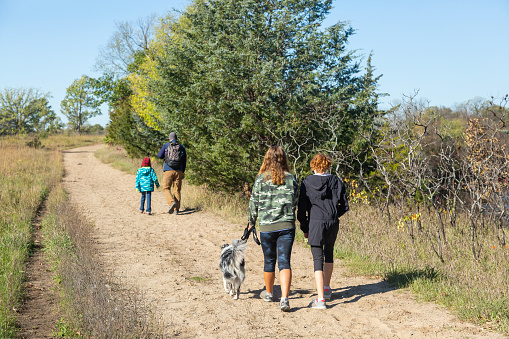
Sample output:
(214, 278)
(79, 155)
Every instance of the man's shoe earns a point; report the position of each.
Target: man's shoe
(176, 212)
(265, 296)
(172, 208)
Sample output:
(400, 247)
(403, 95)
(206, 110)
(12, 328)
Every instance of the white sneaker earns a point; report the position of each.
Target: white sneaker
(284, 305)
(320, 305)
(265, 296)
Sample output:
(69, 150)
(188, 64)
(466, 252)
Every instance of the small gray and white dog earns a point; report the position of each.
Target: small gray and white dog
(231, 263)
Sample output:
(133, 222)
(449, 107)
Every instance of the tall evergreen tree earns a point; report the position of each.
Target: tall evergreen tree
(245, 74)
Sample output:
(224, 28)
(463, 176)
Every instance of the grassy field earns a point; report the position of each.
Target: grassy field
(475, 289)
(27, 175)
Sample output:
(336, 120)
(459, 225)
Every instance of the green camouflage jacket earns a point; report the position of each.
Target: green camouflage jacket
(273, 206)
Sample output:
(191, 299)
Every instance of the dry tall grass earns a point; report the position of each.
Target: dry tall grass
(476, 289)
(26, 177)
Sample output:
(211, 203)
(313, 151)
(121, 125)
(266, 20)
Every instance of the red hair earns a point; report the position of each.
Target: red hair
(320, 163)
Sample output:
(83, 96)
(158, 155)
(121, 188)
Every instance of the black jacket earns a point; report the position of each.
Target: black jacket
(322, 199)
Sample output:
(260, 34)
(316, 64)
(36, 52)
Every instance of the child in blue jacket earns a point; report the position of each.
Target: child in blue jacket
(145, 179)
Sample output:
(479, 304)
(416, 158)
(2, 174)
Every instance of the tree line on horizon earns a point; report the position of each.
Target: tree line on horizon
(27, 111)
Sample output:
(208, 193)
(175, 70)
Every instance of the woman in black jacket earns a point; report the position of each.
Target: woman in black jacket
(322, 201)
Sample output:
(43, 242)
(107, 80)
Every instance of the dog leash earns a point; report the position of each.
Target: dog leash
(248, 231)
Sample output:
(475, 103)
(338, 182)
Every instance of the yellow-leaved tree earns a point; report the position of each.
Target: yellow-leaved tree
(139, 82)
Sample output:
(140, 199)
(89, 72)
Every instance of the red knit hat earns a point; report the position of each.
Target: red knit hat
(146, 162)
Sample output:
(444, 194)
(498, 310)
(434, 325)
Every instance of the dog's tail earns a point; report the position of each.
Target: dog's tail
(239, 248)
(239, 245)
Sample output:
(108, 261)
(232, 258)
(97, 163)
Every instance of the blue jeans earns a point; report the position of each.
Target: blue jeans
(277, 245)
(148, 195)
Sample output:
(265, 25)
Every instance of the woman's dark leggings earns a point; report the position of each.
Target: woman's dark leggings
(277, 245)
(319, 252)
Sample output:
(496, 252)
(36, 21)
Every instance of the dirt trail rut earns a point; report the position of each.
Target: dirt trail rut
(173, 260)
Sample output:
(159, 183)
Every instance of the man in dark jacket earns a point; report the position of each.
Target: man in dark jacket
(322, 201)
(175, 159)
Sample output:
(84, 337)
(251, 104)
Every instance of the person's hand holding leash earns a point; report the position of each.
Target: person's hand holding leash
(247, 231)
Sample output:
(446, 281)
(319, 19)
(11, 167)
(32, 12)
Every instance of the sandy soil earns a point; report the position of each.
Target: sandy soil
(173, 260)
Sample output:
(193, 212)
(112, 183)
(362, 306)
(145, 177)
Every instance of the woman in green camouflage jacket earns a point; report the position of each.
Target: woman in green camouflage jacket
(273, 201)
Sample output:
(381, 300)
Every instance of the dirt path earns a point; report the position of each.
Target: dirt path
(173, 259)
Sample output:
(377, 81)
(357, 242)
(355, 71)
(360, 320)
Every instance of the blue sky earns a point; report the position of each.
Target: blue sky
(449, 50)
